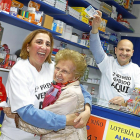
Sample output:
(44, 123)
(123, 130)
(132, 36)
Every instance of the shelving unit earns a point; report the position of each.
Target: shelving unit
(108, 40)
(116, 26)
(112, 24)
(6, 70)
(69, 42)
(68, 19)
(89, 83)
(120, 9)
(21, 23)
(93, 67)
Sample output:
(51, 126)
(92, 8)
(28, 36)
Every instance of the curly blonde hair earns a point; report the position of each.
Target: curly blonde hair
(74, 56)
(24, 54)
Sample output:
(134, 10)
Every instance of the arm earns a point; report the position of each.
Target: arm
(87, 96)
(82, 119)
(63, 101)
(35, 130)
(42, 118)
(95, 43)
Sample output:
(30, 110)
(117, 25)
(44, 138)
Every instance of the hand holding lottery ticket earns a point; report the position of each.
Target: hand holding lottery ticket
(96, 20)
(91, 11)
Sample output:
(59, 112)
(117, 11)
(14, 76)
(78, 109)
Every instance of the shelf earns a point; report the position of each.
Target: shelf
(109, 41)
(70, 42)
(54, 52)
(6, 70)
(116, 26)
(48, 9)
(21, 23)
(112, 24)
(82, 3)
(61, 15)
(93, 67)
(72, 21)
(120, 9)
(89, 83)
(136, 2)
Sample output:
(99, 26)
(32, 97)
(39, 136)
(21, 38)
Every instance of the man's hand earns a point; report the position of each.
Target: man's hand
(96, 22)
(7, 111)
(83, 118)
(70, 119)
(117, 100)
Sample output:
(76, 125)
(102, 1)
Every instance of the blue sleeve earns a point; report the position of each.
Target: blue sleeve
(42, 118)
(87, 96)
(96, 48)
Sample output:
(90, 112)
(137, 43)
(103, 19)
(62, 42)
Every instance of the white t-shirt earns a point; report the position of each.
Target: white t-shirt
(117, 80)
(25, 86)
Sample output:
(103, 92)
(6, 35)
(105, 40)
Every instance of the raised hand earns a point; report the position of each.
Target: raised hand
(96, 20)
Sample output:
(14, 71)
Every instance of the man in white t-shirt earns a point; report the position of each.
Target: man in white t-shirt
(119, 76)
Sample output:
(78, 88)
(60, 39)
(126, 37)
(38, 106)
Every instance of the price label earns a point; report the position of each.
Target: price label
(95, 128)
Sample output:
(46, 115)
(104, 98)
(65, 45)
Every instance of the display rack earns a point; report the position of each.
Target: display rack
(112, 24)
(89, 83)
(6, 70)
(70, 42)
(21, 23)
(93, 67)
(120, 9)
(109, 41)
(68, 19)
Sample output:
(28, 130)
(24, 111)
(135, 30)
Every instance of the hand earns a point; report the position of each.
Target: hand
(96, 22)
(70, 119)
(83, 118)
(117, 100)
(7, 111)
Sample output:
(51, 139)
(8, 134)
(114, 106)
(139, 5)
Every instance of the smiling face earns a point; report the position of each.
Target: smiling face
(39, 49)
(64, 71)
(124, 52)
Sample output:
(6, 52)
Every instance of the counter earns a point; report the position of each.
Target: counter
(108, 123)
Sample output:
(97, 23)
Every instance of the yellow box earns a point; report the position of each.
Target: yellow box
(102, 26)
(59, 29)
(79, 9)
(47, 21)
(84, 14)
(85, 20)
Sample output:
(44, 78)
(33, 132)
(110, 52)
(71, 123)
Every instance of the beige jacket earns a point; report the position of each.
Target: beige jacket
(71, 100)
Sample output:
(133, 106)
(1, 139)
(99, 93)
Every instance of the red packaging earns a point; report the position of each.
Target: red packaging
(1, 5)
(3, 95)
(6, 61)
(6, 5)
(85, 36)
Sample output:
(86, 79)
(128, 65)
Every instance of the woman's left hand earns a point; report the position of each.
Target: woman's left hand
(82, 119)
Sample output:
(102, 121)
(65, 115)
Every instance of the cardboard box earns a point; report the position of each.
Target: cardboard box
(85, 20)
(47, 21)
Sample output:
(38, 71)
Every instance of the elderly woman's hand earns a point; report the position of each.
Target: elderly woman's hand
(70, 119)
(83, 118)
(7, 111)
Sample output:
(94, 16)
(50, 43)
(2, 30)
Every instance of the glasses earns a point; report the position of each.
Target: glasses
(65, 72)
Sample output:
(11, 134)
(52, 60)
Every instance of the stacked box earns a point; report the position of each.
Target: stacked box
(73, 12)
(83, 15)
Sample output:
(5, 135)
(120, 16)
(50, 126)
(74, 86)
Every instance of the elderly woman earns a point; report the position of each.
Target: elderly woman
(64, 97)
